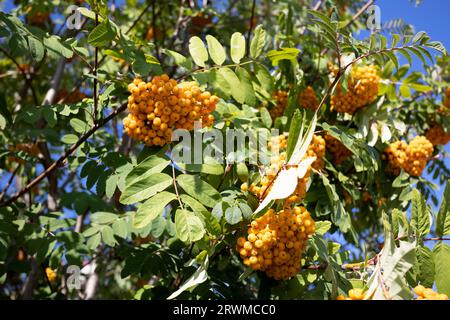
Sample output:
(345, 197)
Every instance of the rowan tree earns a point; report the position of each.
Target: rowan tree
(342, 204)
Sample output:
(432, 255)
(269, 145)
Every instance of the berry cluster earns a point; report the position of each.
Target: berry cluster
(395, 154)
(159, 106)
(277, 144)
(437, 136)
(338, 151)
(412, 157)
(281, 97)
(362, 90)
(308, 99)
(51, 274)
(428, 294)
(317, 149)
(276, 241)
(353, 294)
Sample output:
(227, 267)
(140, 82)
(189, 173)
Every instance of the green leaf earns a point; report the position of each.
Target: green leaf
(198, 51)
(180, 60)
(152, 164)
(246, 86)
(94, 241)
(216, 50)
(89, 13)
(152, 208)
(103, 217)
(208, 168)
(211, 223)
(142, 189)
(437, 46)
(322, 227)
(69, 139)
(247, 212)
(258, 42)
(420, 215)
(392, 57)
(120, 228)
(199, 189)
(188, 226)
(232, 79)
(108, 236)
(417, 53)
(233, 215)
(2, 122)
(101, 35)
(443, 217)
(58, 48)
(36, 48)
(242, 171)
(294, 132)
(395, 40)
(404, 91)
(78, 125)
(264, 77)
(266, 117)
(321, 17)
(383, 41)
(406, 54)
(50, 116)
(426, 266)
(111, 185)
(442, 262)
(237, 47)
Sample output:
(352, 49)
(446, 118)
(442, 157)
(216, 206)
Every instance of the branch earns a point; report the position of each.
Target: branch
(138, 18)
(359, 13)
(8, 184)
(65, 155)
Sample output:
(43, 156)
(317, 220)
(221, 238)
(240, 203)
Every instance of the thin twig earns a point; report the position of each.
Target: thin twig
(359, 13)
(65, 155)
(436, 239)
(353, 19)
(249, 32)
(9, 183)
(138, 18)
